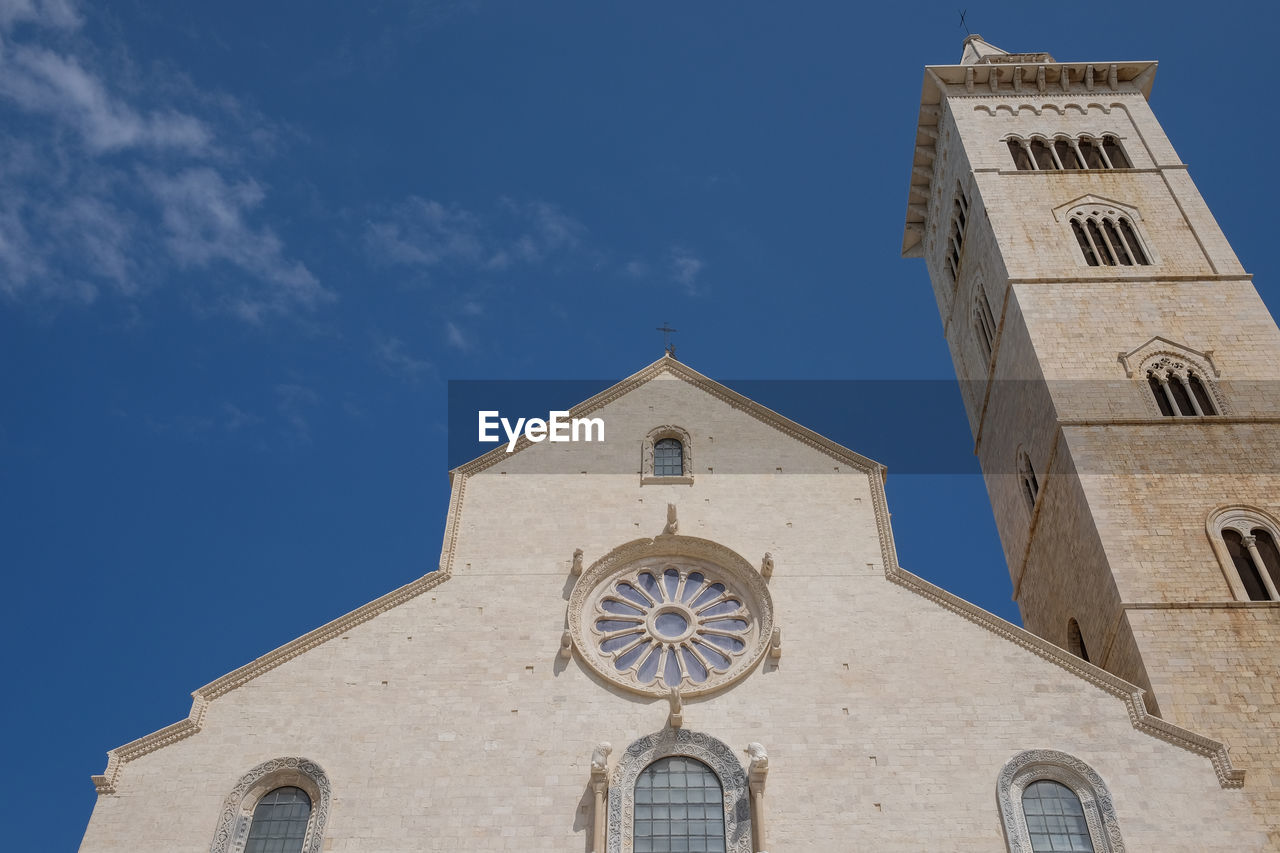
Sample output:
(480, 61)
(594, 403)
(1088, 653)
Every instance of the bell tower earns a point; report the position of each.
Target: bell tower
(1120, 375)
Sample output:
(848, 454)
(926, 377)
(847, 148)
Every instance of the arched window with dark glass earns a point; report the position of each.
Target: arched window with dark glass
(1115, 153)
(668, 458)
(1075, 641)
(1250, 577)
(1021, 159)
(1027, 475)
(279, 822)
(1042, 155)
(1201, 394)
(1055, 818)
(1066, 153)
(679, 806)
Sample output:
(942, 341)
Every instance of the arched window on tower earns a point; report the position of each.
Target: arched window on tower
(955, 237)
(1179, 388)
(1038, 154)
(984, 322)
(1027, 479)
(1075, 641)
(1249, 538)
(1107, 238)
(279, 822)
(679, 806)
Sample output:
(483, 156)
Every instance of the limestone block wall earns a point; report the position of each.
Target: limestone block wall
(449, 722)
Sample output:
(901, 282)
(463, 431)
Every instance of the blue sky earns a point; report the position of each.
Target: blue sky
(244, 247)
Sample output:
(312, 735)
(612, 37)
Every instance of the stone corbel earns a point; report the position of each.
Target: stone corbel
(775, 645)
(566, 645)
(600, 792)
(756, 775)
(1041, 81)
(577, 562)
(675, 717)
(766, 566)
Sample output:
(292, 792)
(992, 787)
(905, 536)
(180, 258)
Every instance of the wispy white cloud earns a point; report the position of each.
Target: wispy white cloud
(43, 82)
(455, 337)
(686, 266)
(60, 14)
(110, 178)
(396, 358)
(293, 404)
(205, 220)
(425, 233)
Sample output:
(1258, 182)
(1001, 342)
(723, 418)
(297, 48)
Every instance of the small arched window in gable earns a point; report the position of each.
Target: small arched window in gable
(679, 806)
(668, 458)
(1249, 539)
(280, 822)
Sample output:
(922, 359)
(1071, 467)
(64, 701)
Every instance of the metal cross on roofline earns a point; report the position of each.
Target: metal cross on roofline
(666, 338)
(964, 12)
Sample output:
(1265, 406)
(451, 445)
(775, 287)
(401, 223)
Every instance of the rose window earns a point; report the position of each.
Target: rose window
(671, 621)
(676, 625)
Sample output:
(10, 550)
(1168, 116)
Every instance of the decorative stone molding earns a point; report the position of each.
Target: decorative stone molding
(1170, 359)
(668, 742)
(1037, 764)
(766, 566)
(680, 434)
(237, 808)
(671, 612)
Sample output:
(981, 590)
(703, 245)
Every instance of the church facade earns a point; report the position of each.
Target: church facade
(695, 636)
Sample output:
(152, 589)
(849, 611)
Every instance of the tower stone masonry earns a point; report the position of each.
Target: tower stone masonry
(1120, 372)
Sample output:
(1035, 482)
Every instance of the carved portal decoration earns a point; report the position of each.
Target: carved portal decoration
(671, 613)
(668, 742)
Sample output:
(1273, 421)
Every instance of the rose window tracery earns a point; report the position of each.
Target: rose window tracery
(672, 612)
(673, 624)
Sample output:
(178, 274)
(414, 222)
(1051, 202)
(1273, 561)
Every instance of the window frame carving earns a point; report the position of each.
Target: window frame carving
(680, 434)
(668, 742)
(1033, 765)
(1145, 358)
(236, 816)
(1244, 520)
